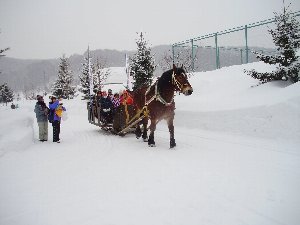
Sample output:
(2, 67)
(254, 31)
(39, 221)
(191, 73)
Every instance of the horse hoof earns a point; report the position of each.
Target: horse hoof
(172, 143)
(138, 134)
(151, 145)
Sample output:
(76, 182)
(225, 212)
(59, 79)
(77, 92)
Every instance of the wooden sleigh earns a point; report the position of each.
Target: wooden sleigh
(123, 119)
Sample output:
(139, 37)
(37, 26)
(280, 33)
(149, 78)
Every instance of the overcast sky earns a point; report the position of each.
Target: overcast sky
(49, 28)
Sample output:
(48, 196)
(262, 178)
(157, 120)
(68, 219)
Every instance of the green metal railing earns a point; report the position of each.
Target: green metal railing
(217, 34)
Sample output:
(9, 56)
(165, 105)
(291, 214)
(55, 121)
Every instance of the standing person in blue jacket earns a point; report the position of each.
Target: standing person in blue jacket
(56, 109)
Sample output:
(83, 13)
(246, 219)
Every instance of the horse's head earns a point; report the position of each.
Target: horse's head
(180, 81)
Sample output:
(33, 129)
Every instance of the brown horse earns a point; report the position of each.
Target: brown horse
(159, 102)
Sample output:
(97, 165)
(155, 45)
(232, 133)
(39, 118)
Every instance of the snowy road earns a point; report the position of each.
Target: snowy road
(220, 172)
(93, 176)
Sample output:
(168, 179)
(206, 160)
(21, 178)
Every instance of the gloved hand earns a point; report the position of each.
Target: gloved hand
(106, 110)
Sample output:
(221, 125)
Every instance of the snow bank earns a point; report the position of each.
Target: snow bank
(17, 132)
(228, 100)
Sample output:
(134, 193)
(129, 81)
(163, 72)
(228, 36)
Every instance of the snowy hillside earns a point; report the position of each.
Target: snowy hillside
(237, 161)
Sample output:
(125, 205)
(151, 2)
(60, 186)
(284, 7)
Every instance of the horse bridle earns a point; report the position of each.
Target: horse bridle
(176, 83)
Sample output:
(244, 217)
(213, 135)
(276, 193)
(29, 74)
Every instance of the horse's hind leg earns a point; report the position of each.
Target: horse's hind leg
(151, 141)
(171, 131)
(138, 132)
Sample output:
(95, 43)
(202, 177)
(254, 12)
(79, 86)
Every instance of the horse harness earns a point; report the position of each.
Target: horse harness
(144, 112)
(157, 95)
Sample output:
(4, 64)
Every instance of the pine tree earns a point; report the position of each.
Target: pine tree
(286, 36)
(62, 87)
(101, 74)
(3, 50)
(142, 64)
(84, 79)
(1, 88)
(6, 93)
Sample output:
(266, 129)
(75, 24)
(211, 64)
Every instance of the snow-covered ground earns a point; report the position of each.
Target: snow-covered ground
(237, 162)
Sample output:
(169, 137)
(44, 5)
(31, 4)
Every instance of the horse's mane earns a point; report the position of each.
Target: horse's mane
(164, 83)
(167, 76)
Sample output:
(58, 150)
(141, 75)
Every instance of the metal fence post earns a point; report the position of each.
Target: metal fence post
(246, 37)
(241, 56)
(217, 52)
(219, 64)
(192, 42)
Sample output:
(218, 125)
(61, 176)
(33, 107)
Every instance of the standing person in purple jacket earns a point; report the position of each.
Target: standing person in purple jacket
(57, 109)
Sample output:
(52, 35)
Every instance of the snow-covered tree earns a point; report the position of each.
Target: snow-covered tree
(286, 37)
(62, 87)
(6, 93)
(84, 79)
(3, 50)
(142, 64)
(99, 73)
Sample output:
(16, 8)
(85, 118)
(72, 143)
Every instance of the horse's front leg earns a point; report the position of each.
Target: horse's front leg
(151, 141)
(171, 131)
(145, 124)
(138, 132)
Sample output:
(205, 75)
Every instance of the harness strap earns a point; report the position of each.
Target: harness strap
(157, 95)
(145, 112)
